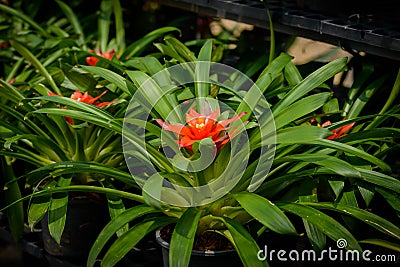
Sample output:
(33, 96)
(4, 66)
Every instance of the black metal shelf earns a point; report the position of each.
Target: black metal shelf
(375, 34)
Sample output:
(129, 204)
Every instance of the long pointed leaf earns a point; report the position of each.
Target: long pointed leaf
(112, 77)
(119, 26)
(127, 241)
(24, 17)
(370, 218)
(326, 224)
(36, 63)
(266, 212)
(244, 243)
(183, 238)
(73, 19)
(312, 81)
(140, 45)
(113, 226)
(58, 212)
(15, 214)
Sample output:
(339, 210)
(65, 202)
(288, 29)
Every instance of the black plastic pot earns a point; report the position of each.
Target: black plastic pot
(85, 219)
(203, 258)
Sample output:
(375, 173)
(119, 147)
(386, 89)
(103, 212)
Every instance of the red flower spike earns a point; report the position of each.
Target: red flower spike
(92, 61)
(338, 132)
(201, 126)
(78, 96)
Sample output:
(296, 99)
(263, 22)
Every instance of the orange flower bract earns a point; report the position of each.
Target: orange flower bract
(85, 97)
(92, 61)
(200, 126)
(336, 133)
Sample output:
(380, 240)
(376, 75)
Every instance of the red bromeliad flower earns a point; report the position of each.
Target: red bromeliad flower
(200, 126)
(3, 45)
(78, 96)
(338, 132)
(91, 61)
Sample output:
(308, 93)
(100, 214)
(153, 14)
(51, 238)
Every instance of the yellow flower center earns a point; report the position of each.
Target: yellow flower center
(200, 123)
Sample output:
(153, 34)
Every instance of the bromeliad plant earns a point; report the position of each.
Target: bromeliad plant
(42, 140)
(39, 61)
(200, 143)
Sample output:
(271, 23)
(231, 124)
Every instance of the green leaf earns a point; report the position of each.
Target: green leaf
(254, 94)
(89, 109)
(292, 74)
(332, 163)
(180, 48)
(15, 214)
(127, 241)
(11, 92)
(119, 26)
(24, 17)
(366, 95)
(115, 207)
(382, 243)
(151, 66)
(312, 81)
(36, 63)
(300, 108)
(372, 219)
(325, 223)
(265, 212)
(113, 226)
(73, 19)
(169, 51)
(367, 68)
(316, 237)
(58, 211)
(389, 102)
(352, 150)
(73, 167)
(83, 81)
(112, 77)
(104, 24)
(332, 106)
(348, 198)
(152, 95)
(337, 186)
(392, 198)
(37, 210)
(302, 133)
(78, 188)
(367, 192)
(137, 47)
(205, 51)
(152, 190)
(243, 242)
(202, 71)
(183, 238)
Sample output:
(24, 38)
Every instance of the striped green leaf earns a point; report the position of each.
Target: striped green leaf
(113, 226)
(244, 243)
(265, 212)
(323, 222)
(127, 241)
(183, 238)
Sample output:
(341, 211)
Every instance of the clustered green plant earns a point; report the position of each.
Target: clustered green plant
(40, 61)
(331, 159)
